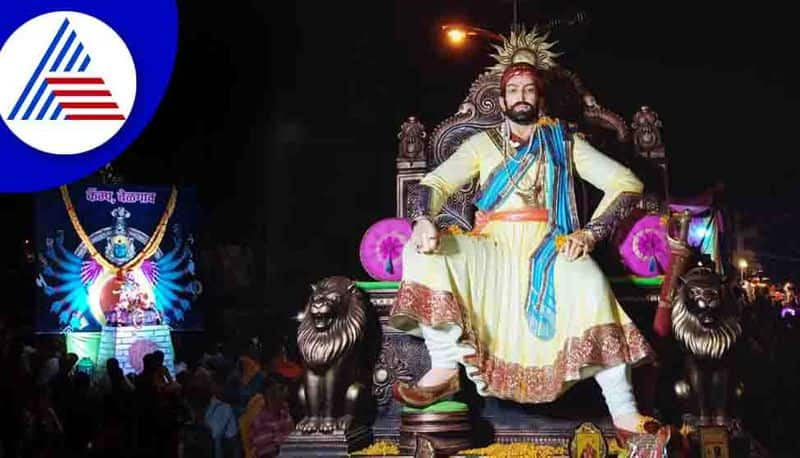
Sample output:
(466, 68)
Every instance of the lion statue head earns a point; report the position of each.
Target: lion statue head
(333, 322)
(705, 318)
(646, 127)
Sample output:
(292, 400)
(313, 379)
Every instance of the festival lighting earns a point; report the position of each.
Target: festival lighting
(457, 34)
(742, 267)
(700, 232)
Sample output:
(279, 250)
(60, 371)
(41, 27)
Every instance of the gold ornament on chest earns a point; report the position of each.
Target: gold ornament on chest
(531, 194)
(530, 187)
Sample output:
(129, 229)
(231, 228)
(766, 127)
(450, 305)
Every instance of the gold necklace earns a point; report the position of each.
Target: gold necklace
(506, 134)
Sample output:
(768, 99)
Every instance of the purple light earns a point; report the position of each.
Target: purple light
(698, 229)
(788, 311)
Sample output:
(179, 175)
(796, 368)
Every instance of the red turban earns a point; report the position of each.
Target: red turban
(521, 68)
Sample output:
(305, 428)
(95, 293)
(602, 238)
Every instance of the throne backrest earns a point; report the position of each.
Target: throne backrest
(480, 110)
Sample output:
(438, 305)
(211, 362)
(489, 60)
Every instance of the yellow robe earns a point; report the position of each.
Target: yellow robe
(479, 282)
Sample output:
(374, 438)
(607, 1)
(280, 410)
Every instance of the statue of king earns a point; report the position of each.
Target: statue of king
(518, 301)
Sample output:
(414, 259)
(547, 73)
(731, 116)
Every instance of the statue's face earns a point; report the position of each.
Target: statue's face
(520, 99)
(323, 308)
(704, 303)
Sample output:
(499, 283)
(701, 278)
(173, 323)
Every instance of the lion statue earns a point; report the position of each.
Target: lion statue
(706, 324)
(330, 339)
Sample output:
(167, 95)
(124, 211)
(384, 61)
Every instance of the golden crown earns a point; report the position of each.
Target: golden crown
(529, 47)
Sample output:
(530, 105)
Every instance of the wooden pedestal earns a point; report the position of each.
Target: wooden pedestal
(326, 445)
(448, 432)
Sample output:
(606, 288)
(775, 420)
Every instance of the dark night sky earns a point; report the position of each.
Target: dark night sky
(287, 120)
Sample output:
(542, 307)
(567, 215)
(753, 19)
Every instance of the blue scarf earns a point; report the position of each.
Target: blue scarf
(541, 305)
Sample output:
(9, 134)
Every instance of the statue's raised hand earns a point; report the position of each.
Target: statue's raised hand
(424, 236)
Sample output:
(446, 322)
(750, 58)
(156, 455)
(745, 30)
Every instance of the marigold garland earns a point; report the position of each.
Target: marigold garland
(380, 448)
(455, 230)
(518, 449)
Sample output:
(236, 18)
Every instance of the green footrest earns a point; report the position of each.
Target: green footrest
(439, 407)
(373, 285)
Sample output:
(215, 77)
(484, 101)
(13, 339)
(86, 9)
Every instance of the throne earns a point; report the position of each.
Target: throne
(404, 357)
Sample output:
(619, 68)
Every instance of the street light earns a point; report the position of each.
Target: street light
(457, 34)
(742, 267)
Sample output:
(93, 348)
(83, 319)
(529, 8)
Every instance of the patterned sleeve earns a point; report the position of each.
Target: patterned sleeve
(621, 189)
(433, 190)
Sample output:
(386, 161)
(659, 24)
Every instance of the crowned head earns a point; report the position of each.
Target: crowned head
(522, 61)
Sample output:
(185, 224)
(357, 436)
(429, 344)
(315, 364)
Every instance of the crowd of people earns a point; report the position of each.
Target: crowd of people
(226, 404)
(767, 305)
(771, 369)
(781, 296)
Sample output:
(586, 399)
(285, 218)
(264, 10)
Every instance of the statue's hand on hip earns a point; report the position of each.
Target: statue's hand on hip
(424, 236)
(577, 245)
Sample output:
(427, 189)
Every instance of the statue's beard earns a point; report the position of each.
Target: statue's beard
(522, 113)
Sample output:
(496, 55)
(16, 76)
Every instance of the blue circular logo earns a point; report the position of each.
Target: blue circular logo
(79, 81)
